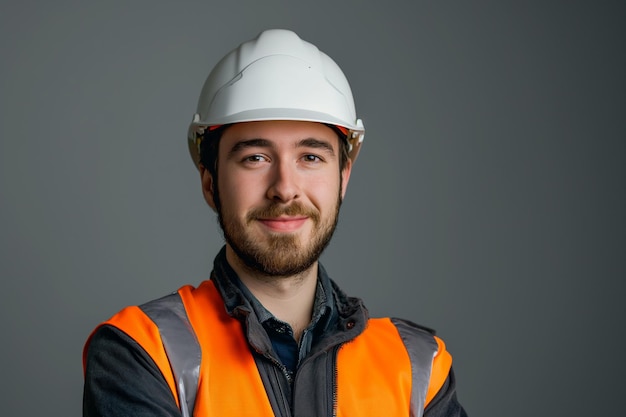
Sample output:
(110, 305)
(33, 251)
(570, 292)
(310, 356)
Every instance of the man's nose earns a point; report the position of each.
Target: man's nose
(284, 186)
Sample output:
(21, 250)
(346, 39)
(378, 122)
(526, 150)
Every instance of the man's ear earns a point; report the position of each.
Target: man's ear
(207, 186)
(345, 176)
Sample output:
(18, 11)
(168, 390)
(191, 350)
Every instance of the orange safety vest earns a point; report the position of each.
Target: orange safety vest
(219, 376)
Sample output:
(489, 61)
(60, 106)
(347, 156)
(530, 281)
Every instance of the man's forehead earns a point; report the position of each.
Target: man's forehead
(277, 132)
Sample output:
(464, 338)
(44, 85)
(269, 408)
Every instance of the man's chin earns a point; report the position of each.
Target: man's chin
(282, 257)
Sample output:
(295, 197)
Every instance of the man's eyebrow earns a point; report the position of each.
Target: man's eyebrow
(250, 143)
(316, 143)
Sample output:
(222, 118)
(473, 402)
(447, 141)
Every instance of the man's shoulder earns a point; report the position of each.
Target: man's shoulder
(410, 332)
(412, 326)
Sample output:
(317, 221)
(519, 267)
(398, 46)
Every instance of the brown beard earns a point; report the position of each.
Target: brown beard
(280, 255)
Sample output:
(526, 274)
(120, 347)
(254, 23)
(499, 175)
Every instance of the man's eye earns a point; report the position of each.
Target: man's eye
(254, 158)
(311, 158)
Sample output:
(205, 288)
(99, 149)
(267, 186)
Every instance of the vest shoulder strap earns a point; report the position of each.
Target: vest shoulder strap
(144, 330)
(181, 345)
(430, 360)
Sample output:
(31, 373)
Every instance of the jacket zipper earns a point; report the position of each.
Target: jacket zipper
(280, 369)
(333, 371)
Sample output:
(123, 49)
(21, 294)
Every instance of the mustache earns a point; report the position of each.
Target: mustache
(277, 210)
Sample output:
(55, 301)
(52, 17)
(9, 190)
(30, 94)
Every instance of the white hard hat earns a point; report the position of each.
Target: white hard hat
(276, 76)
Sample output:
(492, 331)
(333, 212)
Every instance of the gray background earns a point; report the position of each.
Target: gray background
(489, 200)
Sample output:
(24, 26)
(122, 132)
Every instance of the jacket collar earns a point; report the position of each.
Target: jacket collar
(346, 313)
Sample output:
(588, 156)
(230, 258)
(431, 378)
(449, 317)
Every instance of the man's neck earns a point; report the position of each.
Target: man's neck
(288, 298)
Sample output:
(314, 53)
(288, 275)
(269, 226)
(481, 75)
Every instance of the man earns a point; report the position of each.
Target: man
(274, 139)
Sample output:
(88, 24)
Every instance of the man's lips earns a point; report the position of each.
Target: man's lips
(284, 224)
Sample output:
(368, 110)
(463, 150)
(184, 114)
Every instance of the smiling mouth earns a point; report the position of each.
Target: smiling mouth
(283, 224)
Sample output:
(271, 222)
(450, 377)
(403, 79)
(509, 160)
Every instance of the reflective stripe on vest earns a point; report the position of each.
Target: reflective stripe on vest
(181, 346)
(204, 356)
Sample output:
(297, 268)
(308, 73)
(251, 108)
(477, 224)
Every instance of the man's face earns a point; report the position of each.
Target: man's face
(278, 193)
